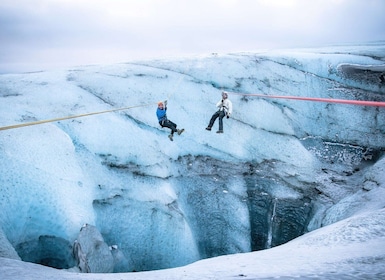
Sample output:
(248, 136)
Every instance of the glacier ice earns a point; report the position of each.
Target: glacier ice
(281, 169)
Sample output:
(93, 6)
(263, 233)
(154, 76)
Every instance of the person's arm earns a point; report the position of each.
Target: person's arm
(229, 109)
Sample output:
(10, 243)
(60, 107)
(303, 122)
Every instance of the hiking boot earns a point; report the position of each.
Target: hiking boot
(180, 131)
(220, 131)
(208, 128)
(170, 136)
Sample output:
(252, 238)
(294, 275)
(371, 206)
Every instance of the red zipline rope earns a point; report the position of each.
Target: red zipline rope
(328, 100)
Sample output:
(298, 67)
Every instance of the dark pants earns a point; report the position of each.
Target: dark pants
(221, 115)
(169, 124)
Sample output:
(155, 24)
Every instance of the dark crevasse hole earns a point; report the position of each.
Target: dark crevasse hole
(213, 211)
(47, 250)
(275, 221)
(290, 219)
(223, 220)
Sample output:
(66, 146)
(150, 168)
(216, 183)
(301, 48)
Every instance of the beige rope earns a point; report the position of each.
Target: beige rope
(70, 117)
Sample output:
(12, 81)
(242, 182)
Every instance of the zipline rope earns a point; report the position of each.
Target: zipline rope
(328, 100)
(87, 114)
(71, 117)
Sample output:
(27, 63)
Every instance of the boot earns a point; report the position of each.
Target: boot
(180, 131)
(170, 136)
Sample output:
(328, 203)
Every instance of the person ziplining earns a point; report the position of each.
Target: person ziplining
(225, 108)
(164, 121)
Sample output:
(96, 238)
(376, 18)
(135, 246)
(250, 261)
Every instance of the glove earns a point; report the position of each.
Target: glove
(165, 103)
(228, 116)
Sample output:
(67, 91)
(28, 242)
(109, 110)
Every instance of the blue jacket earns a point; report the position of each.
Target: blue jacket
(161, 114)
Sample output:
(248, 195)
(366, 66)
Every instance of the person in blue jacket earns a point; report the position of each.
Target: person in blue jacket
(164, 122)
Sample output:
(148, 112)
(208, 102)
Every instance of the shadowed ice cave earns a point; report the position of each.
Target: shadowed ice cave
(111, 193)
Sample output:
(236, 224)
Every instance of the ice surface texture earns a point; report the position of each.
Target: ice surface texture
(282, 167)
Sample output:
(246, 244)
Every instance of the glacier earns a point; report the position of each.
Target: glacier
(292, 188)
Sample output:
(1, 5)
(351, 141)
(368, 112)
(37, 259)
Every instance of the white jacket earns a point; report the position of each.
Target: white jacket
(226, 106)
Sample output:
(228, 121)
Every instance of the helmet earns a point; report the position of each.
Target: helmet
(224, 94)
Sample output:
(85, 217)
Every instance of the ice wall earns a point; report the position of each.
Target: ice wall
(281, 168)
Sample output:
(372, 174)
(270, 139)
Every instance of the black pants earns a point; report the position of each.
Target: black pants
(169, 124)
(221, 115)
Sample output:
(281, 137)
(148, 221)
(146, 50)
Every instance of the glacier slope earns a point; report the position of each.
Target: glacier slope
(320, 162)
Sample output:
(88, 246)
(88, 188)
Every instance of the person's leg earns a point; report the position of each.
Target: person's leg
(213, 118)
(221, 116)
(169, 124)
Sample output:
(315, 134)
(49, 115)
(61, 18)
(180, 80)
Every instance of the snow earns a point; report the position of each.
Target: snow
(173, 204)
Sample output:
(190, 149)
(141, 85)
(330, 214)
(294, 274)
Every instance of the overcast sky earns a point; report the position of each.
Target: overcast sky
(47, 34)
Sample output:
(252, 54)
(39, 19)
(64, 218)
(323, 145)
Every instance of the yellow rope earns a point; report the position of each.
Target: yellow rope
(70, 117)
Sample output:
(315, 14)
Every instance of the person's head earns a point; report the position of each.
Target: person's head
(224, 95)
(160, 105)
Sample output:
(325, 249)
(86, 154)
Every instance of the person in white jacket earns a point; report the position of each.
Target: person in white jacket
(225, 108)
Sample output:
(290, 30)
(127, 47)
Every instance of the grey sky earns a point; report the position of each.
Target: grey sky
(46, 34)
